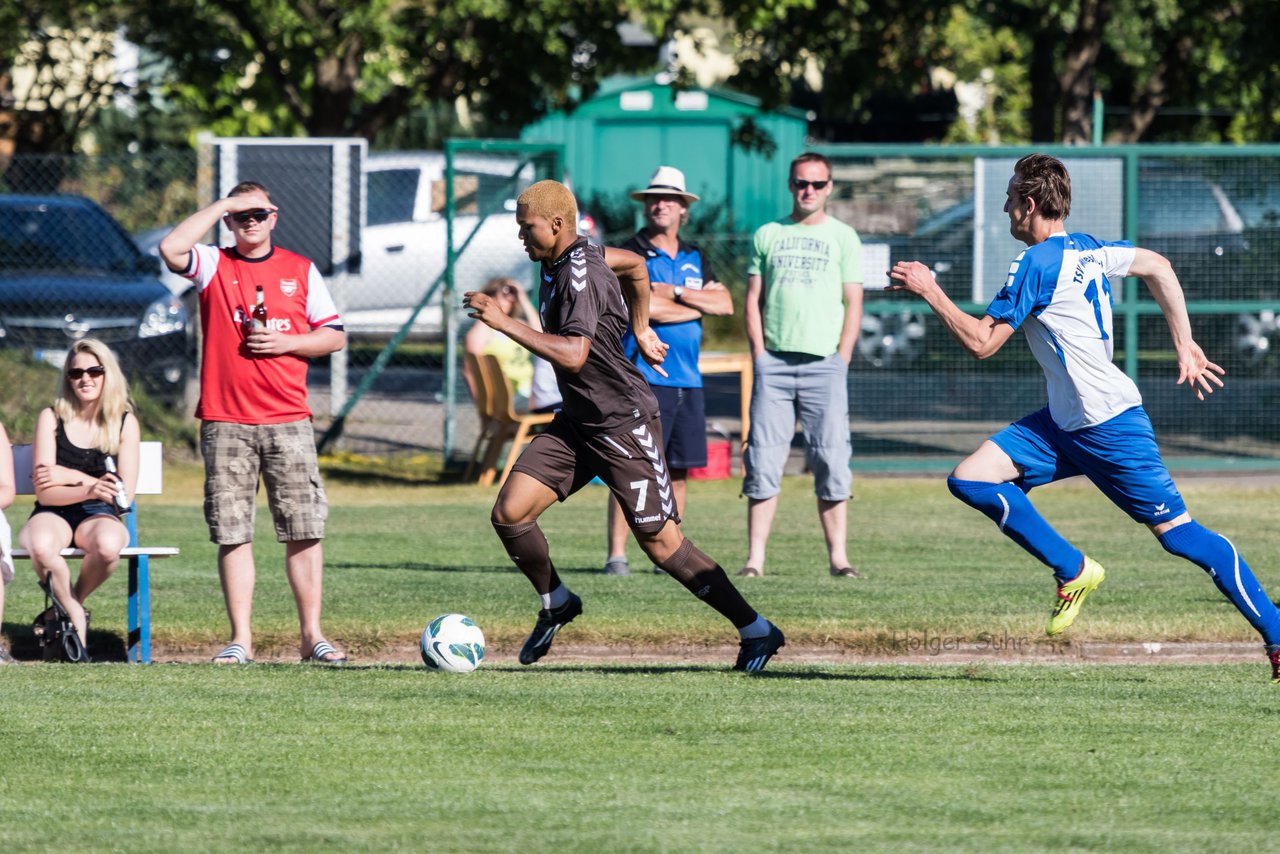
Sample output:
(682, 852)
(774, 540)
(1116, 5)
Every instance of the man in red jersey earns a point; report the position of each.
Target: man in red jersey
(253, 404)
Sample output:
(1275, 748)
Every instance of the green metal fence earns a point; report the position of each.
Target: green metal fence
(918, 401)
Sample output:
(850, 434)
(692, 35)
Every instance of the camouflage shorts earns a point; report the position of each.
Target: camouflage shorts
(285, 457)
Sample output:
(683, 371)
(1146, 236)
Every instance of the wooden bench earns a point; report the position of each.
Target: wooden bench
(150, 465)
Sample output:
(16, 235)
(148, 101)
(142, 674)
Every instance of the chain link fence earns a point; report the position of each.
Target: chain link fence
(69, 268)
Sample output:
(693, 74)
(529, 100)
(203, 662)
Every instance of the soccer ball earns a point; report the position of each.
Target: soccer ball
(452, 642)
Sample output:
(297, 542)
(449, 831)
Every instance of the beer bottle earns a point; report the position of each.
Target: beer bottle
(259, 317)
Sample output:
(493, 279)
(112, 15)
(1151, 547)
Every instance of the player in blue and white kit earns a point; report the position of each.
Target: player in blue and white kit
(1058, 293)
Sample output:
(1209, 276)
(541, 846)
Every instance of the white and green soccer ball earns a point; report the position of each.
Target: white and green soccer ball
(452, 642)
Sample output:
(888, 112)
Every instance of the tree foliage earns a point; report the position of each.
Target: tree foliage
(332, 68)
(965, 70)
(63, 49)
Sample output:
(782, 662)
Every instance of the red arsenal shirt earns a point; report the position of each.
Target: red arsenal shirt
(235, 385)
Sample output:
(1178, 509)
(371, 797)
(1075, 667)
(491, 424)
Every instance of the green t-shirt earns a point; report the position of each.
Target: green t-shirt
(804, 269)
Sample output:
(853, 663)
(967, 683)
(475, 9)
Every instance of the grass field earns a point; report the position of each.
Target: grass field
(642, 756)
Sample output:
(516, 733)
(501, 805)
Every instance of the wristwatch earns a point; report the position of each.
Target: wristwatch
(677, 292)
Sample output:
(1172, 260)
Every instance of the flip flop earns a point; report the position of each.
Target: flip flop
(846, 572)
(750, 572)
(318, 653)
(235, 652)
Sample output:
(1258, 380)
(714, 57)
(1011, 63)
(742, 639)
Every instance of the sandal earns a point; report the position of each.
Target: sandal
(845, 572)
(750, 572)
(236, 654)
(320, 650)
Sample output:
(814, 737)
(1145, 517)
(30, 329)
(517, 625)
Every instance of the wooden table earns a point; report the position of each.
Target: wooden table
(733, 363)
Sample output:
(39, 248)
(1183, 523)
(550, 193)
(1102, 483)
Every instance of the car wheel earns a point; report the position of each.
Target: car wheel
(1253, 339)
(893, 340)
(1242, 343)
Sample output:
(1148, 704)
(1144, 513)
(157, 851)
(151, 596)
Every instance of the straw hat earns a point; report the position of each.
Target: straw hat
(667, 181)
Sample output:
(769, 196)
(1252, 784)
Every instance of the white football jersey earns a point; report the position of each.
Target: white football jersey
(1059, 293)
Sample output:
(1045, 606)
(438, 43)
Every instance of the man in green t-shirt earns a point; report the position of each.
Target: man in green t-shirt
(803, 311)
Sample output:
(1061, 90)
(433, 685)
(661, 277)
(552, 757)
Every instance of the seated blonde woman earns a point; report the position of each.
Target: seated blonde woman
(88, 430)
(532, 380)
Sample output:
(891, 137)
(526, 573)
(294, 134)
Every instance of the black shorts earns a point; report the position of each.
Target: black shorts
(684, 424)
(76, 514)
(630, 462)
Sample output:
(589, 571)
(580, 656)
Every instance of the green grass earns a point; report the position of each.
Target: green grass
(398, 555)
(653, 757)
(804, 758)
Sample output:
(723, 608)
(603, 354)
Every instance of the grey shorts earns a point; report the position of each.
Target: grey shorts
(815, 391)
(284, 455)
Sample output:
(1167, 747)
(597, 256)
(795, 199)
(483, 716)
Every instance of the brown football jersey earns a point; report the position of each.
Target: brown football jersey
(580, 296)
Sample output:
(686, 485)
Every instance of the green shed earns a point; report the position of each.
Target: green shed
(614, 141)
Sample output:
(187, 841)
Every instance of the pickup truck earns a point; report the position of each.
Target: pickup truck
(404, 241)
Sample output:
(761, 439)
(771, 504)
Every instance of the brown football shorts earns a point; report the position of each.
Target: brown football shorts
(630, 462)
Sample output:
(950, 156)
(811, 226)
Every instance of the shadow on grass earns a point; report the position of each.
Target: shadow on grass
(414, 566)
(809, 672)
(104, 646)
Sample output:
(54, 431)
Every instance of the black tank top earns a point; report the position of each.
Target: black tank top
(91, 461)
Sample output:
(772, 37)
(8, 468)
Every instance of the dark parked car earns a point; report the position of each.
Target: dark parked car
(1188, 219)
(69, 271)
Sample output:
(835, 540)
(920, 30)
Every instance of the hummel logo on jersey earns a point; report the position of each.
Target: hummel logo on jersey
(1161, 509)
(547, 278)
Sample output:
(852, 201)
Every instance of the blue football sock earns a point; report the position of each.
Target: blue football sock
(1011, 510)
(1216, 555)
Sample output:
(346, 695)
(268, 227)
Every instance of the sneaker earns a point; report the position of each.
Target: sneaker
(5, 657)
(616, 566)
(1273, 653)
(1071, 596)
(754, 653)
(549, 622)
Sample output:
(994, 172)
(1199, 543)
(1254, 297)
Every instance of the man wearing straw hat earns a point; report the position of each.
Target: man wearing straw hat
(683, 288)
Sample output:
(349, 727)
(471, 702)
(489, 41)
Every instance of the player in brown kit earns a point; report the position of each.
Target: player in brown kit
(608, 428)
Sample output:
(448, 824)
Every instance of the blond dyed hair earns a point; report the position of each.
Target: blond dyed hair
(113, 402)
(551, 199)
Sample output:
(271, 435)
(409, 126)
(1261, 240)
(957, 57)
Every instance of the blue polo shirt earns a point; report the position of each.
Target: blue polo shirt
(688, 269)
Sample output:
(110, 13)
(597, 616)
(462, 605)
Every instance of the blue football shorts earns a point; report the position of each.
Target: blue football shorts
(1120, 456)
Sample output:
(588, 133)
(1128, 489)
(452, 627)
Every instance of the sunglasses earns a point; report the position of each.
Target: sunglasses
(251, 216)
(77, 373)
(804, 185)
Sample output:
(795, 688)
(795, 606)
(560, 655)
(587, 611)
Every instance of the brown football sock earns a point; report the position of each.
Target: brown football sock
(528, 548)
(705, 579)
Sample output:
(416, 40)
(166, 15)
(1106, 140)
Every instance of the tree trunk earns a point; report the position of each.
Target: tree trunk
(1044, 85)
(1077, 81)
(1155, 92)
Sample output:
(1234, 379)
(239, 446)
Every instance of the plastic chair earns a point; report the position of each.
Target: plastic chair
(483, 398)
(518, 427)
